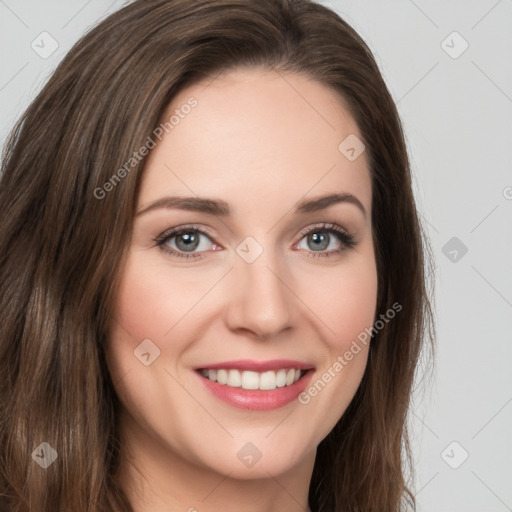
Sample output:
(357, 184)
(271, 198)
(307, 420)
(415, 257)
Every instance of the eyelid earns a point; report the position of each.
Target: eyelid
(326, 226)
(178, 229)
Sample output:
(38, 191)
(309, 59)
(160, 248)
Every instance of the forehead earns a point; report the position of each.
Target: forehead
(256, 136)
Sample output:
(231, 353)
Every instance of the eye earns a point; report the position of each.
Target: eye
(324, 236)
(190, 242)
(184, 241)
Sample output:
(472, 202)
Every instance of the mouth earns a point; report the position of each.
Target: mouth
(256, 385)
(246, 379)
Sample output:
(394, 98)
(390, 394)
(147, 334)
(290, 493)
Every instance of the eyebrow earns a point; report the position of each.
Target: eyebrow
(221, 208)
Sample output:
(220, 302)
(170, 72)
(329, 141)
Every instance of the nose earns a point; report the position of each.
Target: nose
(260, 299)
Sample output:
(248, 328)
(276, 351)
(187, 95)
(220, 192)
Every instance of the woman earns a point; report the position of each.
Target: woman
(207, 221)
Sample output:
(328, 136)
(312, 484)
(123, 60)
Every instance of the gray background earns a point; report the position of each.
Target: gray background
(457, 112)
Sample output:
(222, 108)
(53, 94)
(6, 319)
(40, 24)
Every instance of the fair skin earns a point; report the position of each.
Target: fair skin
(262, 142)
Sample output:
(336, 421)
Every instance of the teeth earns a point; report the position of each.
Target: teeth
(253, 380)
(281, 378)
(268, 380)
(222, 376)
(250, 380)
(234, 379)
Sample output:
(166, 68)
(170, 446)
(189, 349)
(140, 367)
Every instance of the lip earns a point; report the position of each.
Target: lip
(254, 399)
(257, 366)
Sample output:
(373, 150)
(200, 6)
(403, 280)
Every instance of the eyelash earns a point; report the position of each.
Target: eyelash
(344, 237)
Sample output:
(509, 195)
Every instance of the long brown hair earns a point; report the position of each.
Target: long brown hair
(62, 248)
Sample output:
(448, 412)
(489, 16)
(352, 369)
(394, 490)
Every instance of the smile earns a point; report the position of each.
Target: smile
(253, 380)
(256, 385)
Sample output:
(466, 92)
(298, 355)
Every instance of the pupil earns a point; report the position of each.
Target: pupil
(191, 241)
(323, 239)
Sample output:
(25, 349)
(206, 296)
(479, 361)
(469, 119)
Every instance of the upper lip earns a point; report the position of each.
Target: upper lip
(257, 366)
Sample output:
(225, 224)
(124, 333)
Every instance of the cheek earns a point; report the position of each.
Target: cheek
(356, 304)
(147, 305)
(142, 311)
(157, 304)
(344, 300)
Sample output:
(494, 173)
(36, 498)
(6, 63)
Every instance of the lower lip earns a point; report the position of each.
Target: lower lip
(255, 399)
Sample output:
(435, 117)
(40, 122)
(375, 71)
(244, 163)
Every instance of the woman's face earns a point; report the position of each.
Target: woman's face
(257, 295)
